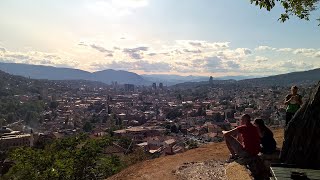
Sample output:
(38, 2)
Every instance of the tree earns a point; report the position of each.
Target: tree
(174, 129)
(54, 104)
(87, 127)
(77, 158)
(174, 113)
(299, 8)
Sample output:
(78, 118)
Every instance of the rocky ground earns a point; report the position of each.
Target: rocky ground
(207, 170)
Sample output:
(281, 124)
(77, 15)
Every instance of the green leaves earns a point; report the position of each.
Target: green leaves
(298, 8)
(77, 158)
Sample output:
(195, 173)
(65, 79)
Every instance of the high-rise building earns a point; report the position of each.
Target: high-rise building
(129, 87)
(154, 86)
(161, 85)
(44, 93)
(211, 80)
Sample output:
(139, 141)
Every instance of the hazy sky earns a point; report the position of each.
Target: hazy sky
(186, 37)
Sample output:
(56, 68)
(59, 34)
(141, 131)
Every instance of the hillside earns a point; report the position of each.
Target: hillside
(176, 79)
(54, 73)
(165, 167)
(12, 85)
(303, 77)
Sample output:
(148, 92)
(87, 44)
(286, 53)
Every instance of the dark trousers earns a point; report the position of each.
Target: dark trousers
(289, 116)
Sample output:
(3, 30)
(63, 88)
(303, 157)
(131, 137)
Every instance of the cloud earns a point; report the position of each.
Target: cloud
(202, 44)
(101, 49)
(244, 51)
(211, 64)
(285, 50)
(152, 54)
(295, 65)
(260, 59)
(196, 44)
(2, 50)
(82, 44)
(138, 65)
(264, 48)
(181, 63)
(317, 54)
(192, 51)
(17, 56)
(233, 65)
(313, 53)
(38, 58)
(303, 51)
(135, 53)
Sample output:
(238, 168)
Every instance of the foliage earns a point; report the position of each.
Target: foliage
(87, 127)
(54, 104)
(76, 158)
(12, 110)
(298, 8)
(174, 113)
(174, 129)
(192, 144)
(137, 156)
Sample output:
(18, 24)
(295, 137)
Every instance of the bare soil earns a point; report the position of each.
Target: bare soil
(172, 167)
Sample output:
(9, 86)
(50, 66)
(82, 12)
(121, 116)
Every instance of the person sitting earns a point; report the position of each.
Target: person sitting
(268, 144)
(249, 142)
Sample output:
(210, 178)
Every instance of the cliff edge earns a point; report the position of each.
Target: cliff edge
(205, 162)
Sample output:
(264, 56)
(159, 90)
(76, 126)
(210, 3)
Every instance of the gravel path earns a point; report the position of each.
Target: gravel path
(211, 170)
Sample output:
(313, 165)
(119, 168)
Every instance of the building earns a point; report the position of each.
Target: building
(161, 86)
(129, 88)
(10, 139)
(154, 86)
(44, 93)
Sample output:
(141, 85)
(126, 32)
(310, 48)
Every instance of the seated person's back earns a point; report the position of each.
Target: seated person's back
(268, 143)
(251, 139)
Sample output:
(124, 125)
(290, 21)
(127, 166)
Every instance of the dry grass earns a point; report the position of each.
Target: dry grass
(163, 168)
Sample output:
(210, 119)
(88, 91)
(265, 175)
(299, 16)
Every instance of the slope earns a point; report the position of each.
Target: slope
(163, 168)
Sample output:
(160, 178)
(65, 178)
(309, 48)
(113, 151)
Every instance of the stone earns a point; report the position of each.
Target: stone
(301, 139)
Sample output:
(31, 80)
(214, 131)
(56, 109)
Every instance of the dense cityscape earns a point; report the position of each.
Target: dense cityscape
(159, 90)
(156, 120)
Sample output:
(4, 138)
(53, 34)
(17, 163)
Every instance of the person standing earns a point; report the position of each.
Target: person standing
(293, 102)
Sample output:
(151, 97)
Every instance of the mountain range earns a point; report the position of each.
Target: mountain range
(176, 79)
(54, 73)
(123, 77)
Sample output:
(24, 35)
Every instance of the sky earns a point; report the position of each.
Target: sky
(189, 37)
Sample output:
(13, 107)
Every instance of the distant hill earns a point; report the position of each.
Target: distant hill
(303, 77)
(12, 85)
(54, 73)
(294, 78)
(16, 85)
(109, 75)
(176, 79)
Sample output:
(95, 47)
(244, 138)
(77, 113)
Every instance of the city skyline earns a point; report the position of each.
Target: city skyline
(157, 37)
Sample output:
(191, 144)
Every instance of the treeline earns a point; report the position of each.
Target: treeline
(78, 158)
(12, 110)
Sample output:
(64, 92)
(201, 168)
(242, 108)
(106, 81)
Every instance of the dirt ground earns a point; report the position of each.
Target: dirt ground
(164, 168)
